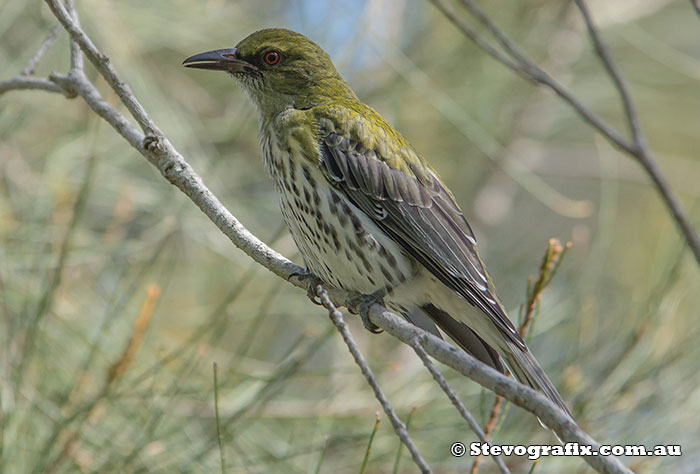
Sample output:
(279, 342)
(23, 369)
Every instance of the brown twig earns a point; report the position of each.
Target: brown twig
(127, 356)
(521, 395)
(551, 262)
(489, 426)
(117, 369)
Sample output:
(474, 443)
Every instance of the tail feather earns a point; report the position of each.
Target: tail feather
(527, 370)
(518, 358)
(464, 336)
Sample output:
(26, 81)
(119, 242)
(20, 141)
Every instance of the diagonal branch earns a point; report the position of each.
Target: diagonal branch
(76, 55)
(614, 74)
(548, 268)
(399, 427)
(636, 147)
(150, 142)
(417, 345)
(45, 45)
(25, 81)
(527, 69)
(642, 151)
(103, 66)
(519, 394)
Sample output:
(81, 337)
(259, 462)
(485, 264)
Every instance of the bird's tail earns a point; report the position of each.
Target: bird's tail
(527, 370)
(519, 360)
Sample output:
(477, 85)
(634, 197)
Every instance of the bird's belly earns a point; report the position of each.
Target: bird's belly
(339, 243)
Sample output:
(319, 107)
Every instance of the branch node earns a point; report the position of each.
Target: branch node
(154, 144)
(418, 341)
(102, 58)
(66, 83)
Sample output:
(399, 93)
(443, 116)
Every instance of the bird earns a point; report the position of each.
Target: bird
(367, 212)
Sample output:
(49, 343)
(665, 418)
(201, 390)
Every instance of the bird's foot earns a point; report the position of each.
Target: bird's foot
(361, 305)
(313, 283)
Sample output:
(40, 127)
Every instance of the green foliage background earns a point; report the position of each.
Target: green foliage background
(86, 225)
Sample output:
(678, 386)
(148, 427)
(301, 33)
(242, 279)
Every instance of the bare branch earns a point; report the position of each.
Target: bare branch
(636, 147)
(489, 426)
(76, 55)
(22, 82)
(553, 256)
(474, 36)
(400, 429)
(45, 45)
(641, 151)
(532, 72)
(517, 393)
(161, 154)
(104, 67)
(222, 460)
(440, 379)
(614, 74)
(670, 199)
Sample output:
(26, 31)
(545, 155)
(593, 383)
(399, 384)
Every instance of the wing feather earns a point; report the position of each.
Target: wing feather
(418, 212)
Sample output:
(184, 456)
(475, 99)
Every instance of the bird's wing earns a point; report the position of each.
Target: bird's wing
(407, 200)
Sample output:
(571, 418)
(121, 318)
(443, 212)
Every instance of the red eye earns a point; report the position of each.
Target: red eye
(272, 57)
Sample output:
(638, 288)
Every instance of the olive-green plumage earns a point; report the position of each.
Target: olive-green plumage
(367, 213)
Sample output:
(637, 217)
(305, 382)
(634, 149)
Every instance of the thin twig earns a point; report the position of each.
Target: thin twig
(365, 459)
(22, 82)
(158, 150)
(440, 379)
(104, 66)
(218, 422)
(643, 153)
(116, 371)
(45, 45)
(399, 450)
(400, 429)
(489, 426)
(76, 55)
(532, 72)
(553, 256)
(635, 147)
(614, 74)
(324, 446)
(517, 393)
(551, 262)
(534, 465)
(471, 33)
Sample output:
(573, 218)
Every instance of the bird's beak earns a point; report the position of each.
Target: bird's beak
(219, 60)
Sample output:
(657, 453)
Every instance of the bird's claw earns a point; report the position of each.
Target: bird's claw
(314, 282)
(361, 305)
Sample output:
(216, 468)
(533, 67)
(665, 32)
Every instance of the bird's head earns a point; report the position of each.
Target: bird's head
(280, 69)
